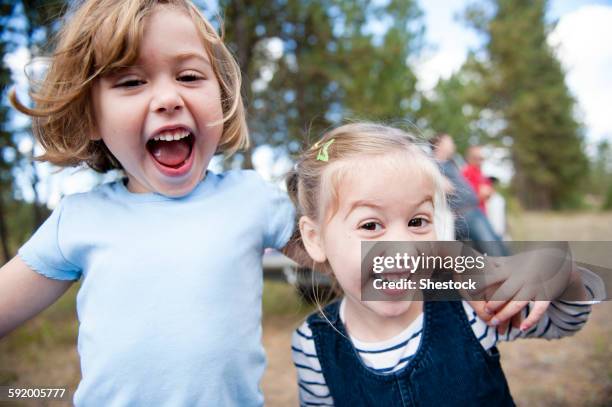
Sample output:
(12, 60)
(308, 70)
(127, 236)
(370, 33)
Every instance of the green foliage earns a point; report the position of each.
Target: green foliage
(8, 151)
(525, 84)
(344, 59)
(455, 106)
(608, 199)
(332, 67)
(21, 223)
(280, 298)
(40, 17)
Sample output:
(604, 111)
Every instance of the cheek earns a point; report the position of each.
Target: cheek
(345, 260)
(114, 117)
(430, 236)
(209, 99)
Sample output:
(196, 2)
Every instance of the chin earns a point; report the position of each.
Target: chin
(177, 191)
(390, 309)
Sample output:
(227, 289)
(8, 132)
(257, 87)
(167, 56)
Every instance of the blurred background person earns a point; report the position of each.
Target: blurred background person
(473, 174)
(470, 220)
(496, 210)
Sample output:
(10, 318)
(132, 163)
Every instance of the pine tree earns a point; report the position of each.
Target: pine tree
(526, 85)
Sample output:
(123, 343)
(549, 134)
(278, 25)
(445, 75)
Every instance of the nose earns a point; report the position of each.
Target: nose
(166, 99)
(398, 233)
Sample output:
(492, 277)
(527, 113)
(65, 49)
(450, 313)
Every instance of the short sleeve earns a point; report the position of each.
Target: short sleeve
(281, 219)
(42, 253)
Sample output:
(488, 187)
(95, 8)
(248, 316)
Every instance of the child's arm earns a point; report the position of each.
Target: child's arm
(24, 293)
(311, 382)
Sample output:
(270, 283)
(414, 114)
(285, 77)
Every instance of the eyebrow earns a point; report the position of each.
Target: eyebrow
(191, 55)
(428, 198)
(374, 205)
(362, 202)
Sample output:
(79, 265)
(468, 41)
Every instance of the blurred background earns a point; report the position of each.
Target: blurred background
(527, 80)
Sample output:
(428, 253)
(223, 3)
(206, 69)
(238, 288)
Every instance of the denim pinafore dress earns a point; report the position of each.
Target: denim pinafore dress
(450, 367)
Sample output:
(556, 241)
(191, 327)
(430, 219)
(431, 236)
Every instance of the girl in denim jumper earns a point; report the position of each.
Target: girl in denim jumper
(370, 182)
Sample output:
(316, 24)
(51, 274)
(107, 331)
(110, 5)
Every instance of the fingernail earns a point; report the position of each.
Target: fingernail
(488, 311)
(523, 327)
(495, 322)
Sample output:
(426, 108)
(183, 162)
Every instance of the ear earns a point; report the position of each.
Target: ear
(311, 236)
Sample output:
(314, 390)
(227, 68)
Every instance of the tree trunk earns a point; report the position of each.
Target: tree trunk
(3, 232)
(38, 217)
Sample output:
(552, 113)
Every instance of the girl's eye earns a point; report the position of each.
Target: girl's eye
(190, 77)
(130, 83)
(418, 222)
(371, 226)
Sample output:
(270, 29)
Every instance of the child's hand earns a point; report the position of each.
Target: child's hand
(541, 274)
(510, 284)
(502, 314)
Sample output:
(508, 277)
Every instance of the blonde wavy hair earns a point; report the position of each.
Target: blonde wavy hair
(99, 37)
(313, 183)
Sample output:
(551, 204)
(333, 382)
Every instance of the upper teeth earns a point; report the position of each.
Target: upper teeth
(171, 135)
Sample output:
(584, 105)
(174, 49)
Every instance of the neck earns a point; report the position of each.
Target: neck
(367, 325)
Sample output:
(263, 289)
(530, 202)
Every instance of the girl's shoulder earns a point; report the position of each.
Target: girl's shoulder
(303, 347)
(303, 331)
(249, 182)
(98, 193)
(328, 315)
(247, 177)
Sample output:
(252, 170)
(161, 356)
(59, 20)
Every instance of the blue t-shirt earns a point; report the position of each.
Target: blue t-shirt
(169, 306)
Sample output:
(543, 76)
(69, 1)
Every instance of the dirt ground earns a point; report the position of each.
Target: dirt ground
(575, 371)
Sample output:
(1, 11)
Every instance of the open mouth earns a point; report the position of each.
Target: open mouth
(171, 149)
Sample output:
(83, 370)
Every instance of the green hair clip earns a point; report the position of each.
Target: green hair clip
(323, 154)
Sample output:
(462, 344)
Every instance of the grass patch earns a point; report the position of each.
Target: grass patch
(281, 299)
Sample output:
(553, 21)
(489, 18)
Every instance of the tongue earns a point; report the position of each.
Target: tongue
(170, 153)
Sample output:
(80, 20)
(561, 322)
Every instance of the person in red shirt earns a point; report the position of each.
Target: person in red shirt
(473, 174)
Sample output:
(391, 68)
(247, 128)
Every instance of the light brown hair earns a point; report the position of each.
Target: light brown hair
(99, 37)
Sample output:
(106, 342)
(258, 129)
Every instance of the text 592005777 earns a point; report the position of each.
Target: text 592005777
(8, 393)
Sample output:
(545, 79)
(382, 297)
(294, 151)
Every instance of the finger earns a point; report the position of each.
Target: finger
(505, 292)
(494, 272)
(503, 327)
(516, 320)
(494, 306)
(537, 311)
(487, 282)
(512, 308)
(479, 309)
